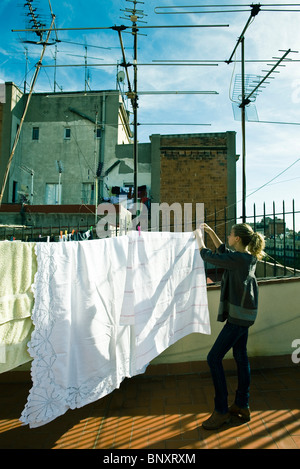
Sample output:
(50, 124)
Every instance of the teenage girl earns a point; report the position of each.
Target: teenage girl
(238, 307)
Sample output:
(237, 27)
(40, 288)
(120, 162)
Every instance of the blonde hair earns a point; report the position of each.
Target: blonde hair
(254, 241)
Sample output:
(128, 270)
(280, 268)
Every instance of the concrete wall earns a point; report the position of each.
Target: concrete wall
(11, 112)
(276, 326)
(270, 338)
(80, 154)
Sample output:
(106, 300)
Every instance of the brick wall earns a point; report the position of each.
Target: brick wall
(194, 169)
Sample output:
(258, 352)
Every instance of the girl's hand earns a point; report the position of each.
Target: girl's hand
(206, 228)
(199, 238)
(215, 239)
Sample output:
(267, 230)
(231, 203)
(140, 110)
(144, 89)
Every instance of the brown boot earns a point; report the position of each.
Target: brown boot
(243, 413)
(216, 420)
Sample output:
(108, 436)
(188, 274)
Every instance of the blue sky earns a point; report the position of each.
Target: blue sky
(271, 148)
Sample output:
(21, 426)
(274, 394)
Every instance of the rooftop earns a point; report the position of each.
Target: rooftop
(163, 412)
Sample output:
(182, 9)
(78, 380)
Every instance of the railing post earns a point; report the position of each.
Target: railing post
(274, 228)
(284, 238)
(294, 237)
(264, 221)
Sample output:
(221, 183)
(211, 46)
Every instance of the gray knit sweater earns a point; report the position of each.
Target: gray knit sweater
(239, 290)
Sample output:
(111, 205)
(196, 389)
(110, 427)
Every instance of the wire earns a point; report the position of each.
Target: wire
(272, 122)
(165, 123)
(202, 12)
(235, 204)
(231, 79)
(126, 27)
(267, 183)
(240, 8)
(282, 182)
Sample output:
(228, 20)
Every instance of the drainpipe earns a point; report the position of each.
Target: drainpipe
(102, 146)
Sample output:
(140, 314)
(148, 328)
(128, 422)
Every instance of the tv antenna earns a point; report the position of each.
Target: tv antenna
(134, 15)
(246, 94)
(86, 70)
(33, 82)
(37, 25)
(220, 8)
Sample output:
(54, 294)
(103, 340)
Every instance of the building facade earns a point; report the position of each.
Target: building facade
(66, 142)
(75, 150)
(186, 169)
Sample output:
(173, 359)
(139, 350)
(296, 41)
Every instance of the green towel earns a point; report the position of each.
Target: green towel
(18, 265)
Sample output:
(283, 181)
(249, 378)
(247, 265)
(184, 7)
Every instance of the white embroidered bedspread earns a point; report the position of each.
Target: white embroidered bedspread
(165, 297)
(80, 352)
(103, 310)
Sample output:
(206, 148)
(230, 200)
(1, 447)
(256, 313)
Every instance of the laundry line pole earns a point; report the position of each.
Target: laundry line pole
(38, 66)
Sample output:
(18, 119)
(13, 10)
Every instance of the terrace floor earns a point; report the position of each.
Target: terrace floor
(163, 412)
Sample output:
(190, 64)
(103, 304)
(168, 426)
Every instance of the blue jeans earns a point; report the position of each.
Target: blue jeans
(235, 337)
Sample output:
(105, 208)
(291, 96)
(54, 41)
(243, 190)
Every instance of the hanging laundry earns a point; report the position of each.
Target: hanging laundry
(165, 295)
(80, 352)
(18, 266)
(103, 310)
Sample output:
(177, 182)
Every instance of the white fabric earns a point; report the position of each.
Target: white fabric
(165, 296)
(103, 310)
(80, 353)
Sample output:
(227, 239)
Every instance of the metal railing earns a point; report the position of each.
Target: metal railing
(278, 227)
(282, 240)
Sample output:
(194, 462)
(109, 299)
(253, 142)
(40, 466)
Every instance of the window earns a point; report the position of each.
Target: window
(15, 192)
(53, 194)
(88, 193)
(67, 134)
(35, 133)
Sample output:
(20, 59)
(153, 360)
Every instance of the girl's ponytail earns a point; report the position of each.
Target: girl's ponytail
(257, 245)
(254, 241)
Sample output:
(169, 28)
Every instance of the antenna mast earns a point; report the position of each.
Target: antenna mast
(34, 79)
(241, 40)
(134, 15)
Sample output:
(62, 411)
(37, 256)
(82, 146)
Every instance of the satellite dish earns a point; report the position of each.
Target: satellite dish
(121, 76)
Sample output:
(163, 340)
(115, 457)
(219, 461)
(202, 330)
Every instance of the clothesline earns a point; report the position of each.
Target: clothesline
(62, 235)
(76, 235)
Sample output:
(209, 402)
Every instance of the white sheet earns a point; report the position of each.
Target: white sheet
(165, 296)
(80, 353)
(103, 310)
